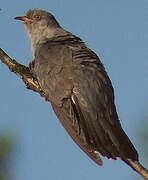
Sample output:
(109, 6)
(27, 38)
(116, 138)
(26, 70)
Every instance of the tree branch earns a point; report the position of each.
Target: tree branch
(139, 168)
(24, 73)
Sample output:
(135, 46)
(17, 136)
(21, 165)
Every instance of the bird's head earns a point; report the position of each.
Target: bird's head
(39, 25)
(38, 19)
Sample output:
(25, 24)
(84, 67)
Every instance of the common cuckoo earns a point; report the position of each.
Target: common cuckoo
(77, 86)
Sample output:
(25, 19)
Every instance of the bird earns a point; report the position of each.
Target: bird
(79, 89)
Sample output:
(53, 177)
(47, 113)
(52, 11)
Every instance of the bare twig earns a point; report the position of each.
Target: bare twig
(24, 73)
(136, 166)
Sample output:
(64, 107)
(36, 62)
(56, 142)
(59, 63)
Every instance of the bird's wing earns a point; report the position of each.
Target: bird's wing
(93, 97)
(91, 118)
(82, 97)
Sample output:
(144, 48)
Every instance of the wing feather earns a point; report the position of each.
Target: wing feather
(95, 99)
(70, 119)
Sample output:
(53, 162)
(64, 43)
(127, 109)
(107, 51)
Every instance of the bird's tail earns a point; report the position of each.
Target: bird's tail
(136, 166)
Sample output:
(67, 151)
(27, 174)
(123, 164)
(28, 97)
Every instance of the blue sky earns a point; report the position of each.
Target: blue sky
(117, 31)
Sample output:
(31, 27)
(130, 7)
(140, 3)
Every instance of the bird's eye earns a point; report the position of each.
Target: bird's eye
(37, 17)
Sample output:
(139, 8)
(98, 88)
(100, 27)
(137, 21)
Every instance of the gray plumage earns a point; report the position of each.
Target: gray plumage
(78, 88)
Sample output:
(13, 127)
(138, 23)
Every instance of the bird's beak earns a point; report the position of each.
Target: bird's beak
(24, 18)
